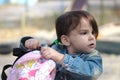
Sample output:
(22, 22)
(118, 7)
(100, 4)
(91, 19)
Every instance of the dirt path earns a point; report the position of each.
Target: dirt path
(111, 66)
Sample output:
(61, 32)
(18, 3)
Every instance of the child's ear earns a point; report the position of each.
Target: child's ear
(65, 40)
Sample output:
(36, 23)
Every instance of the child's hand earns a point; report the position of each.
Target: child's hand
(49, 53)
(32, 44)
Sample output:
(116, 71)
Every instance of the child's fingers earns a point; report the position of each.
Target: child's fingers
(32, 44)
(45, 52)
(28, 44)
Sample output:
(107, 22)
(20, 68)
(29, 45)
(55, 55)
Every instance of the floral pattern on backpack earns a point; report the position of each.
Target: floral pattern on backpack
(32, 66)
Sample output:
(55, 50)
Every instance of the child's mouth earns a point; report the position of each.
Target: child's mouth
(92, 45)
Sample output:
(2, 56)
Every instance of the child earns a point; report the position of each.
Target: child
(75, 54)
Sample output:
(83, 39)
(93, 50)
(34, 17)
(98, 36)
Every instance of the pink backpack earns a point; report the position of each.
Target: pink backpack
(31, 66)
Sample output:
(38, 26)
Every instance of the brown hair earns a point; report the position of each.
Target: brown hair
(69, 21)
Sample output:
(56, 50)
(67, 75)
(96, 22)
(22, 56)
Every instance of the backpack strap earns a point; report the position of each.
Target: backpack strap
(16, 52)
(3, 75)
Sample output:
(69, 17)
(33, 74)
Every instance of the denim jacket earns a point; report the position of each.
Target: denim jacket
(83, 66)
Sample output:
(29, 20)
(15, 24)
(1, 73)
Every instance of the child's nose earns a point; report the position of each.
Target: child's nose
(91, 37)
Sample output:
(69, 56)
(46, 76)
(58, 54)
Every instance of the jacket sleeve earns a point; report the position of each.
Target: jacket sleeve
(90, 66)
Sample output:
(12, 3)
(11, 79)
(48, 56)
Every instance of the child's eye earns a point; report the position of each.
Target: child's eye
(93, 32)
(83, 33)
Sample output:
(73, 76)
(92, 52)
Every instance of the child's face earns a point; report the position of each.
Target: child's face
(81, 38)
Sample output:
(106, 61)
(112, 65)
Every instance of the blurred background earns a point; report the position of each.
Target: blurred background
(36, 18)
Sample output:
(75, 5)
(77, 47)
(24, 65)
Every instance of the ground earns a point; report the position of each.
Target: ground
(111, 67)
